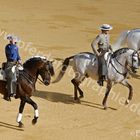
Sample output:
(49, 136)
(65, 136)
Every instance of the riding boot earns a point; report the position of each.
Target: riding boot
(11, 90)
(10, 77)
(100, 80)
(7, 98)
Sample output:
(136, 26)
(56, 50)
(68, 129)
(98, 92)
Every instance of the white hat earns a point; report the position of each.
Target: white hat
(13, 37)
(106, 27)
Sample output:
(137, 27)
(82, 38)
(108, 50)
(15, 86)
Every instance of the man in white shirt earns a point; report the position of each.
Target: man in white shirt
(102, 41)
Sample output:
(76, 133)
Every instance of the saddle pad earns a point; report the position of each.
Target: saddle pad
(2, 75)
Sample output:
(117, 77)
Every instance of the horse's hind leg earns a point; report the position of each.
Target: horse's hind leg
(76, 84)
(75, 89)
(80, 91)
(31, 102)
(19, 117)
(125, 83)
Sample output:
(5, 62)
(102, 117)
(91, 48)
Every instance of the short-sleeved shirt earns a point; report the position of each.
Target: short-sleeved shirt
(102, 40)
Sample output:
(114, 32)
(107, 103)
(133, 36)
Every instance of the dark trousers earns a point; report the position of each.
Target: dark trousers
(102, 66)
(10, 77)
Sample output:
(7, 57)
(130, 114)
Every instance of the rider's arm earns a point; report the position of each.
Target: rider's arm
(110, 48)
(8, 52)
(18, 56)
(94, 44)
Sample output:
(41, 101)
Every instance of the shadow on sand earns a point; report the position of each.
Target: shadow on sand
(10, 126)
(95, 105)
(66, 99)
(54, 96)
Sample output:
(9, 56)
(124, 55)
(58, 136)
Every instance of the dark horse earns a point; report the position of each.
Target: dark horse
(27, 78)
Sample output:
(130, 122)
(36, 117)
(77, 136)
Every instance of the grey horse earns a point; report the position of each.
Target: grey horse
(130, 37)
(86, 65)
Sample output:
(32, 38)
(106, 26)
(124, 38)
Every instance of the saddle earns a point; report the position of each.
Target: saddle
(107, 57)
(2, 75)
(2, 72)
(15, 69)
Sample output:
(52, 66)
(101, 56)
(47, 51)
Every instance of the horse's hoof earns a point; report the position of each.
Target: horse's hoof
(105, 108)
(81, 96)
(127, 102)
(20, 125)
(34, 121)
(77, 101)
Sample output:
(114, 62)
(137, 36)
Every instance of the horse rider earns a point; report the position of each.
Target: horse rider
(102, 40)
(13, 58)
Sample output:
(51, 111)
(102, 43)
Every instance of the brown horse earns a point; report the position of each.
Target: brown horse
(27, 78)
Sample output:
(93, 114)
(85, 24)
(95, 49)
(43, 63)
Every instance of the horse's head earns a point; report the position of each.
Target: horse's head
(39, 65)
(46, 70)
(133, 60)
(127, 57)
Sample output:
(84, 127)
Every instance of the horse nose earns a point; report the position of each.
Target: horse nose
(134, 69)
(46, 82)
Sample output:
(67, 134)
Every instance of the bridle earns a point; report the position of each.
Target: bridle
(132, 67)
(28, 77)
(41, 81)
(124, 74)
(31, 79)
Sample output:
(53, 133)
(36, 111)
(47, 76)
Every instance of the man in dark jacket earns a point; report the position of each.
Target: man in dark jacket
(13, 58)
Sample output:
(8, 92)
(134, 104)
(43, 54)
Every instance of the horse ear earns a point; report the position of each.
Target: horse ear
(45, 60)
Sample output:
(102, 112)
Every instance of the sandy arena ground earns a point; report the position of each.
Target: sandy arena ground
(63, 28)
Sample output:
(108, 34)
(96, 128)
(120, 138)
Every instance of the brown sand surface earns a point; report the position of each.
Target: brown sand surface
(62, 28)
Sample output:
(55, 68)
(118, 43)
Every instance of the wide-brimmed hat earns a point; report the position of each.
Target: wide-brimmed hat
(106, 27)
(13, 37)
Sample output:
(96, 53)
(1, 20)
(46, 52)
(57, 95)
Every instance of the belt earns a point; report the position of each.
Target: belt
(102, 49)
(12, 61)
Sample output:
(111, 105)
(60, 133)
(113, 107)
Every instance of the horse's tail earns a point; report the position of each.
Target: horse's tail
(63, 70)
(121, 40)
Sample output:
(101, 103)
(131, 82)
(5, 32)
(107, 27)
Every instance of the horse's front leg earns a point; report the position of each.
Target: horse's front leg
(108, 88)
(34, 105)
(19, 117)
(125, 83)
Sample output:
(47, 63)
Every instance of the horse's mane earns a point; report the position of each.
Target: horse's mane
(31, 62)
(120, 51)
(90, 53)
(136, 30)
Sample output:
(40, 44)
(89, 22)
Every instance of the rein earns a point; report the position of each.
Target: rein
(40, 81)
(122, 65)
(124, 74)
(31, 79)
(110, 61)
(119, 62)
(46, 67)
